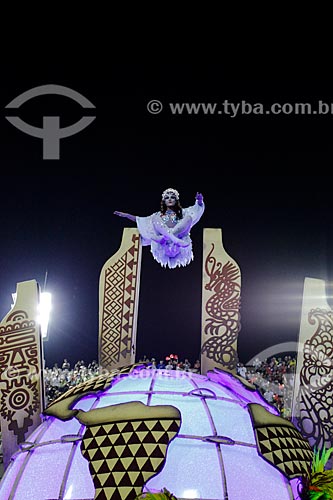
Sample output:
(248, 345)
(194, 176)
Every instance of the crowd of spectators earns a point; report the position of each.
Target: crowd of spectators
(274, 378)
(59, 379)
(172, 362)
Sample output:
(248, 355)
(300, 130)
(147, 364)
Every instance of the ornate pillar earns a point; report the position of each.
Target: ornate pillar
(312, 410)
(21, 370)
(118, 303)
(220, 316)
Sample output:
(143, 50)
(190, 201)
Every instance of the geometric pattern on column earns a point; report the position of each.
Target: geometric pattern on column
(220, 315)
(118, 303)
(21, 370)
(312, 411)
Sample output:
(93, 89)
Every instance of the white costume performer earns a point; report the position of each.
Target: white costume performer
(168, 231)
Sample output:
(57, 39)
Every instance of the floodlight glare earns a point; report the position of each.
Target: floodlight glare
(44, 309)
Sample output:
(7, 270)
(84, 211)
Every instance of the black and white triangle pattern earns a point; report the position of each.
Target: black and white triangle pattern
(285, 448)
(124, 455)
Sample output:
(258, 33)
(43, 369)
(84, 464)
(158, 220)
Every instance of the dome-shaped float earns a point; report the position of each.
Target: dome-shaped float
(136, 429)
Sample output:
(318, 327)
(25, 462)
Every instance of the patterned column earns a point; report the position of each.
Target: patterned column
(21, 370)
(312, 411)
(220, 316)
(118, 303)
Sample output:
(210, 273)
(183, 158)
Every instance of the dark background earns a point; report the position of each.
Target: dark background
(266, 182)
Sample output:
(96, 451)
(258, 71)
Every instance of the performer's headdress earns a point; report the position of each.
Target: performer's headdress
(170, 190)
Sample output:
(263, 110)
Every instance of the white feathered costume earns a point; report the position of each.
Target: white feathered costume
(166, 247)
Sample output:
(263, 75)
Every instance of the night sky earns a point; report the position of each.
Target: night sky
(265, 180)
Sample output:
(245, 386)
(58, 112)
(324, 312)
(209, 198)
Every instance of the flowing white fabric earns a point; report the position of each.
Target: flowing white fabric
(170, 247)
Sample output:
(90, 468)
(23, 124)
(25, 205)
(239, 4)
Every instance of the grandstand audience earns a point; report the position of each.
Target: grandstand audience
(273, 377)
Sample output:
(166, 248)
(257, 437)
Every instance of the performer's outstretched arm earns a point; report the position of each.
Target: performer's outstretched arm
(199, 198)
(124, 214)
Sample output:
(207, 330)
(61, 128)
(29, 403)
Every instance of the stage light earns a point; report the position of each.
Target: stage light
(44, 309)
